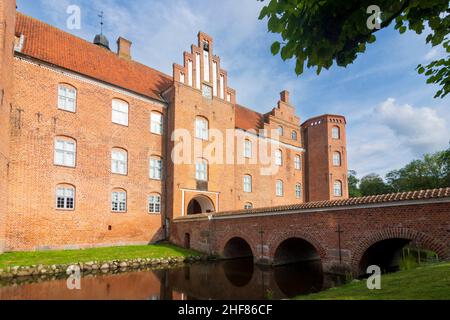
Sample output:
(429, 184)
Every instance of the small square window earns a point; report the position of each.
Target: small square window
(207, 92)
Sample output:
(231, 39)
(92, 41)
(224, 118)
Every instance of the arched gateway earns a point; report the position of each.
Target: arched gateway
(200, 204)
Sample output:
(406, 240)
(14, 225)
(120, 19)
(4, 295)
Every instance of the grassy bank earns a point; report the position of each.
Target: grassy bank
(430, 282)
(98, 254)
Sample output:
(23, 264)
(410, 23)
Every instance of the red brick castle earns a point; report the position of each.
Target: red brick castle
(87, 138)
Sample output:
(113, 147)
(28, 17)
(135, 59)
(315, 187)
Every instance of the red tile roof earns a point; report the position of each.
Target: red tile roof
(380, 199)
(247, 119)
(54, 46)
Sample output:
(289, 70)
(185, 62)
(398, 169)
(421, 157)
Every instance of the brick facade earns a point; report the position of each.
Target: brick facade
(7, 23)
(46, 58)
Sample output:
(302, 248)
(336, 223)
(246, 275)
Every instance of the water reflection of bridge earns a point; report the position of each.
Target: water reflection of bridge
(242, 280)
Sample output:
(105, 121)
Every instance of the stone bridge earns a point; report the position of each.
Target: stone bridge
(346, 235)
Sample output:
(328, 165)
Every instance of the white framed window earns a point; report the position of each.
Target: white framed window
(298, 191)
(280, 131)
(120, 112)
(65, 197)
(67, 98)
(337, 159)
(182, 77)
(154, 204)
(336, 133)
(280, 188)
(294, 135)
(248, 148)
(119, 201)
(298, 162)
(248, 206)
(201, 128)
(156, 168)
(119, 161)
(65, 152)
(156, 123)
(248, 185)
(278, 158)
(337, 189)
(201, 170)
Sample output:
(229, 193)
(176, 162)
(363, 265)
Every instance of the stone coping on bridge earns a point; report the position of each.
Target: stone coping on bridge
(380, 200)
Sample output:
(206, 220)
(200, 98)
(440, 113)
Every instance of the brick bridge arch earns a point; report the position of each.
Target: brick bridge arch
(276, 240)
(244, 236)
(422, 238)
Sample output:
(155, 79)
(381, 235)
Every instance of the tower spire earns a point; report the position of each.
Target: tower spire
(100, 39)
(101, 15)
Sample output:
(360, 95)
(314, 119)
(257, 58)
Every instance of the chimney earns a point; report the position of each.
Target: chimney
(124, 48)
(285, 96)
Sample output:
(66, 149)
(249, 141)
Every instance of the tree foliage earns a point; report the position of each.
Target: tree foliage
(431, 172)
(372, 185)
(353, 182)
(319, 33)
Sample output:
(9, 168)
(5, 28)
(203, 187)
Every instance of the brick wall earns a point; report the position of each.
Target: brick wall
(33, 222)
(7, 23)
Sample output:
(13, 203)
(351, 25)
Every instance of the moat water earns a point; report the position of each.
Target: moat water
(225, 280)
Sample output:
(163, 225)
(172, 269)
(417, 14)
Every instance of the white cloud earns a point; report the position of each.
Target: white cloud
(435, 53)
(391, 135)
(421, 130)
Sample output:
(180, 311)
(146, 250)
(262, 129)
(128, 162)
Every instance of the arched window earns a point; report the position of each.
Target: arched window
(338, 189)
(67, 97)
(119, 200)
(280, 188)
(120, 112)
(280, 131)
(65, 151)
(248, 206)
(298, 162)
(248, 149)
(248, 184)
(155, 168)
(154, 204)
(337, 159)
(278, 158)
(119, 161)
(298, 191)
(336, 133)
(65, 197)
(201, 128)
(156, 123)
(201, 170)
(294, 135)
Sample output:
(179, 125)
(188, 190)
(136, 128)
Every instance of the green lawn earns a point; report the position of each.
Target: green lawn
(97, 254)
(424, 283)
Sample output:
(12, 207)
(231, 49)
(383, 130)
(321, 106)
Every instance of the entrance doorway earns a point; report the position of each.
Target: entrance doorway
(200, 204)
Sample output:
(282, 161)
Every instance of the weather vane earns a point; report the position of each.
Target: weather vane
(101, 21)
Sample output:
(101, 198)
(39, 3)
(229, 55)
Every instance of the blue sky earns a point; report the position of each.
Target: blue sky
(392, 116)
